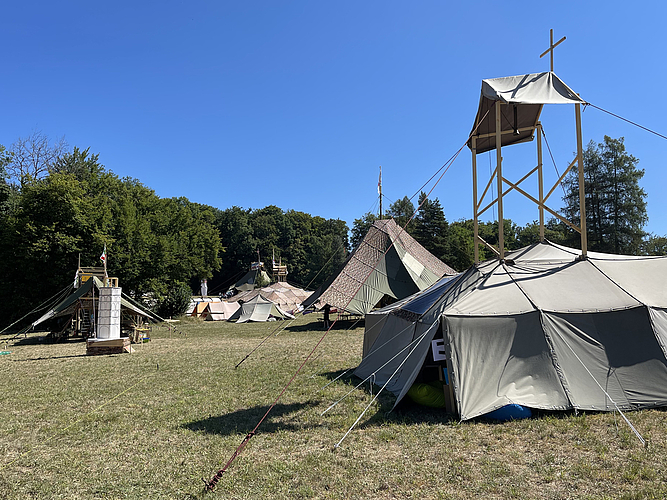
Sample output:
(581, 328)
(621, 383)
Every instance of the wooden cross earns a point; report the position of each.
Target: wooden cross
(551, 48)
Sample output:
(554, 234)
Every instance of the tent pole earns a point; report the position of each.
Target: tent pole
(582, 194)
(474, 199)
(540, 179)
(499, 173)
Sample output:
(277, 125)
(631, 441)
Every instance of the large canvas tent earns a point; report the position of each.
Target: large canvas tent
(68, 305)
(544, 329)
(259, 309)
(387, 262)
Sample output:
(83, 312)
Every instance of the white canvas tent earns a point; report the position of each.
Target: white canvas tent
(219, 311)
(544, 329)
(388, 261)
(259, 309)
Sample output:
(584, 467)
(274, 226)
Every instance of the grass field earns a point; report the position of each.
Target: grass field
(152, 424)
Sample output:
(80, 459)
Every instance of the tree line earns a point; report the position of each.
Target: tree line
(615, 215)
(58, 203)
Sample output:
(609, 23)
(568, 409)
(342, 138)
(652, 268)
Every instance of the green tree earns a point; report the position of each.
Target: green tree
(431, 228)
(615, 203)
(654, 245)
(361, 227)
(401, 211)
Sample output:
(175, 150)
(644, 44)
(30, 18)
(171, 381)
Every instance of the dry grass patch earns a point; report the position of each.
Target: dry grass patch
(188, 409)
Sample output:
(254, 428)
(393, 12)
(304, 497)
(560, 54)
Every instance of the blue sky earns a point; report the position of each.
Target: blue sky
(298, 103)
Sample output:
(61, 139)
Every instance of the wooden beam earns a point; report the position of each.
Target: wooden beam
(540, 182)
(560, 179)
(582, 195)
(474, 199)
(499, 163)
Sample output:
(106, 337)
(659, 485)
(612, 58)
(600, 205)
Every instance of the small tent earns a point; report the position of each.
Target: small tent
(387, 262)
(544, 329)
(219, 311)
(259, 309)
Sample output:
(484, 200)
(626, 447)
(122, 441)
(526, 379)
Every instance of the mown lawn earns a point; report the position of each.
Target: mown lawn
(154, 423)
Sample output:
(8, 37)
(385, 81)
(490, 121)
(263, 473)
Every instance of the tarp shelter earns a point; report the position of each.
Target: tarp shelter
(522, 99)
(68, 305)
(220, 311)
(388, 261)
(544, 329)
(287, 297)
(260, 309)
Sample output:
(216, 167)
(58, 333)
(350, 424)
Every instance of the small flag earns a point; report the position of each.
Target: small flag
(380, 182)
(103, 257)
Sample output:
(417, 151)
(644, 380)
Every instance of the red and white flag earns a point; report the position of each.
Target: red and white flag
(103, 257)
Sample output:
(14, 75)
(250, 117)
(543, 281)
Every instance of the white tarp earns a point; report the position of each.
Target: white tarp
(522, 98)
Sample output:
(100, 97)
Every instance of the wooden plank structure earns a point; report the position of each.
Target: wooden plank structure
(96, 347)
(501, 109)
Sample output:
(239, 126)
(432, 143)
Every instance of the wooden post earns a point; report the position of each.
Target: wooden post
(474, 199)
(499, 173)
(582, 194)
(539, 179)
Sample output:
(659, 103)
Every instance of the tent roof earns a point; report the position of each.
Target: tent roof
(286, 296)
(525, 93)
(388, 261)
(63, 307)
(259, 309)
(219, 311)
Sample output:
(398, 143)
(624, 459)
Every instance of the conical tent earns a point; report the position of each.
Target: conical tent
(545, 329)
(388, 261)
(259, 309)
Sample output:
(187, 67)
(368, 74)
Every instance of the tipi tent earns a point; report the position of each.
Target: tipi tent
(220, 311)
(259, 309)
(388, 261)
(284, 295)
(544, 329)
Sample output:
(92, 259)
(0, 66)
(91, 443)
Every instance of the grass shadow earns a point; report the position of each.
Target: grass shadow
(317, 325)
(283, 417)
(43, 358)
(45, 339)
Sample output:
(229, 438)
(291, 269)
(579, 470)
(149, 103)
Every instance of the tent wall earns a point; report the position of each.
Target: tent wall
(501, 360)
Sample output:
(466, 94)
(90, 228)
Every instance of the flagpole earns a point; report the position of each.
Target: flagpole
(380, 190)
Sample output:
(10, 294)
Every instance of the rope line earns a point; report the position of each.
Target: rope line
(553, 160)
(381, 389)
(210, 485)
(628, 121)
(41, 307)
